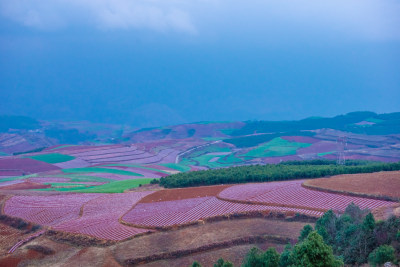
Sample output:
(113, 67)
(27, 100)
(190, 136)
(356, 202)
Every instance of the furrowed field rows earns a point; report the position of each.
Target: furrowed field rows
(47, 210)
(82, 149)
(103, 150)
(100, 217)
(75, 163)
(118, 158)
(112, 154)
(169, 213)
(49, 180)
(293, 194)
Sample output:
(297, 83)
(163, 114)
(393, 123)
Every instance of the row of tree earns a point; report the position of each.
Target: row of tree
(354, 238)
(271, 172)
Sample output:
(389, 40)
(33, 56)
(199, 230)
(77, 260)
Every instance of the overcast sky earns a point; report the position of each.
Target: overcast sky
(159, 62)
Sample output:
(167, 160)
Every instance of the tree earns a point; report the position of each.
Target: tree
(195, 264)
(326, 227)
(271, 258)
(313, 252)
(307, 229)
(381, 255)
(285, 259)
(221, 263)
(253, 258)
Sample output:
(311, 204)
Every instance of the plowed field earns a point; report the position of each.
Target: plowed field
(373, 184)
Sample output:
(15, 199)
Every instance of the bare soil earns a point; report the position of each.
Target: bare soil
(184, 193)
(191, 238)
(384, 185)
(25, 185)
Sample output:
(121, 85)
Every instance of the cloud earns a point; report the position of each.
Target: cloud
(365, 19)
(104, 14)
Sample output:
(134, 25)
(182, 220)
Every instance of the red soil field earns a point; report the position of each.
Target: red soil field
(184, 193)
(24, 185)
(26, 165)
(374, 184)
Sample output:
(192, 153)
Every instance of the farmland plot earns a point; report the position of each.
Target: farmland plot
(292, 194)
(100, 217)
(47, 210)
(169, 213)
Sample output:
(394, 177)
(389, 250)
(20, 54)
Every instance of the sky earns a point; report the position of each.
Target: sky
(160, 62)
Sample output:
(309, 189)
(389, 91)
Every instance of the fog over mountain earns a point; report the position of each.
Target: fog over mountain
(152, 63)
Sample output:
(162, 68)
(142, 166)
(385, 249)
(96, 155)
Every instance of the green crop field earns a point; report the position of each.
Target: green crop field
(136, 166)
(53, 158)
(115, 187)
(275, 148)
(230, 159)
(176, 166)
(100, 170)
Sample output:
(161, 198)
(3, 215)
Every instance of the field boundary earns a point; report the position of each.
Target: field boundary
(267, 214)
(248, 202)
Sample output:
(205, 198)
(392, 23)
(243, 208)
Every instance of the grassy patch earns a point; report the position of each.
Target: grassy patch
(115, 187)
(207, 149)
(53, 158)
(230, 159)
(275, 148)
(374, 120)
(136, 166)
(213, 138)
(176, 166)
(100, 170)
(325, 153)
(66, 185)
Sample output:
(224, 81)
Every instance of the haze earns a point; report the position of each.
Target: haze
(151, 63)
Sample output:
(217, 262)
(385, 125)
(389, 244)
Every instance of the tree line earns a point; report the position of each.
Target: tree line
(272, 172)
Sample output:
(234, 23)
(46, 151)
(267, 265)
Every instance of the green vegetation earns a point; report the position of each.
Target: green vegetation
(374, 120)
(116, 187)
(100, 170)
(136, 166)
(254, 140)
(55, 185)
(112, 187)
(268, 173)
(222, 263)
(213, 138)
(207, 149)
(275, 148)
(230, 159)
(53, 158)
(176, 166)
(325, 153)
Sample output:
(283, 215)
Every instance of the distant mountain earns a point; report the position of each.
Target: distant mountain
(21, 134)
